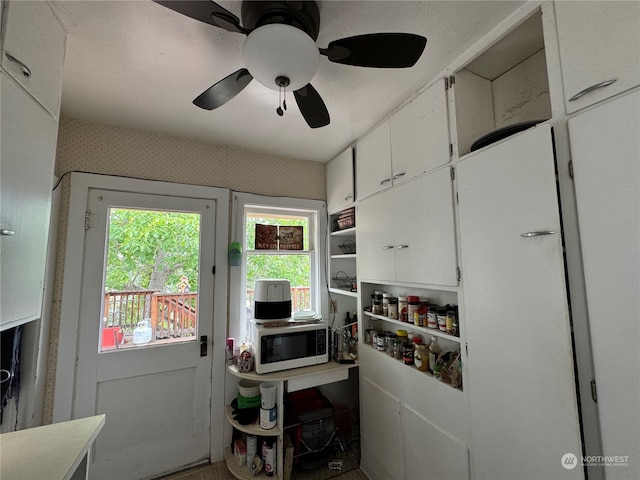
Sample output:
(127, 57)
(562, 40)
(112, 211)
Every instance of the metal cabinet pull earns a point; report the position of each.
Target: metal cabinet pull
(386, 180)
(25, 70)
(348, 197)
(581, 93)
(538, 234)
(6, 232)
(398, 175)
(388, 247)
(402, 246)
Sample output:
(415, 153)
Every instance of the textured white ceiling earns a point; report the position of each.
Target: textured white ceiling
(136, 64)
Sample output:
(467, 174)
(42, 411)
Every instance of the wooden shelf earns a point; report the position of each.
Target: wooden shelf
(413, 367)
(340, 291)
(251, 429)
(241, 472)
(346, 231)
(426, 331)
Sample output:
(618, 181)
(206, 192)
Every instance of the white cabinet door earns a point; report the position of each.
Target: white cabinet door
(28, 153)
(33, 51)
(340, 181)
(375, 238)
(599, 42)
(407, 233)
(373, 161)
(523, 404)
(605, 149)
(420, 135)
(425, 232)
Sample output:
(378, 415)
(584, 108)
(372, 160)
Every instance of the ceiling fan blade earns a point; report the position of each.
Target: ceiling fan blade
(223, 91)
(206, 11)
(312, 107)
(377, 50)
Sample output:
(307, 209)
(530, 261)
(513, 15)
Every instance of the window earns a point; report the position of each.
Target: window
(275, 258)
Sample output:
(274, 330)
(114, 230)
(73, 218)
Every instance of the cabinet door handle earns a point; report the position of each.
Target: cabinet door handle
(386, 180)
(7, 233)
(538, 234)
(348, 197)
(388, 247)
(25, 70)
(597, 86)
(402, 246)
(398, 175)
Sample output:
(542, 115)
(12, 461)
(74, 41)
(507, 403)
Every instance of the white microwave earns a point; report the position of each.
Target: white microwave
(291, 346)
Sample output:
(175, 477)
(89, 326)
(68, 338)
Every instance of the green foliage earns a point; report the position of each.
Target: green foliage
(141, 241)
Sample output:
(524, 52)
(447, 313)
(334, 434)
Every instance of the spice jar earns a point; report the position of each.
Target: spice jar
(389, 344)
(407, 354)
(403, 335)
(397, 348)
(421, 357)
(432, 316)
(442, 322)
(449, 321)
(393, 308)
(413, 304)
(385, 304)
(402, 309)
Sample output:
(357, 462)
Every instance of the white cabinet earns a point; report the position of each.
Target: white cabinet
(373, 161)
(605, 150)
(599, 43)
(408, 234)
(29, 137)
(340, 181)
(521, 381)
(420, 134)
(33, 51)
(413, 141)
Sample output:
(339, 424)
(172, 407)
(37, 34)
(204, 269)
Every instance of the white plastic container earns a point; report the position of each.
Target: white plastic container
(268, 395)
(142, 333)
(268, 418)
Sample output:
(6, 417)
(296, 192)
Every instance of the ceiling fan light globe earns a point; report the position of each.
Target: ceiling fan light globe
(278, 50)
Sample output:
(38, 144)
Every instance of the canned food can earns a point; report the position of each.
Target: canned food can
(269, 456)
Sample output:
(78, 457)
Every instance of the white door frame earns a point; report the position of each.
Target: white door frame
(65, 385)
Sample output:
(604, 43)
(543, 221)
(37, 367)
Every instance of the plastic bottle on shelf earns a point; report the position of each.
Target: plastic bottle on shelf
(434, 351)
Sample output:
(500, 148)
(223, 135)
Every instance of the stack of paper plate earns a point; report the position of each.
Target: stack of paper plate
(302, 316)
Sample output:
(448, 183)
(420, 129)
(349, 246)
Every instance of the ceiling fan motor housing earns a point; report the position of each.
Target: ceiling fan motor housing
(303, 15)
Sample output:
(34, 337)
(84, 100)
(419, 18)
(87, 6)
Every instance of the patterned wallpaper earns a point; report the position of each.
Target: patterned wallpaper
(117, 151)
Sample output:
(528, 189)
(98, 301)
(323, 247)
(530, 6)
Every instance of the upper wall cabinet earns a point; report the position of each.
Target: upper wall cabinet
(420, 135)
(503, 88)
(33, 51)
(340, 181)
(599, 54)
(373, 161)
(413, 141)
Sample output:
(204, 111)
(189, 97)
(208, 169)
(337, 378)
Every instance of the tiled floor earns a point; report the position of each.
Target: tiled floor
(219, 472)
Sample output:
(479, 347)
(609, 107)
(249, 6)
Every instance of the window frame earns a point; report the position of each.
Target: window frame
(316, 212)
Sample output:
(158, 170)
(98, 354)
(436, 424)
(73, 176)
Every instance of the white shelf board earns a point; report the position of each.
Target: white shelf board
(426, 331)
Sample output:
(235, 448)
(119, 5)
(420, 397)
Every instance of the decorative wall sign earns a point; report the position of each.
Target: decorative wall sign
(272, 237)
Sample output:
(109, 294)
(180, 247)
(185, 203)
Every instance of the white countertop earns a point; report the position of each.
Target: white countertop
(50, 452)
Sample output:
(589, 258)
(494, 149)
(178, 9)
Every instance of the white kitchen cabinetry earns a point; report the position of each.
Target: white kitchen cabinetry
(33, 51)
(521, 384)
(26, 171)
(413, 425)
(413, 141)
(340, 186)
(605, 149)
(33, 56)
(420, 134)
(407, 233)
(599, 44)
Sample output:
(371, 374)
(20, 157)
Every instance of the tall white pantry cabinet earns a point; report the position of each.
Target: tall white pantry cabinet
(517, 413)
(31, 79)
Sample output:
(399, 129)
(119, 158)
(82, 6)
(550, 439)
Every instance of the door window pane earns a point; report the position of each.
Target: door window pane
(151, 278)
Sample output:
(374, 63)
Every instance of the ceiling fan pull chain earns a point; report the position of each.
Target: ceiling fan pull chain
(279, 109)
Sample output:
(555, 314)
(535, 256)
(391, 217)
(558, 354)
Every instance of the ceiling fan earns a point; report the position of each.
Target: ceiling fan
(280, 51)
